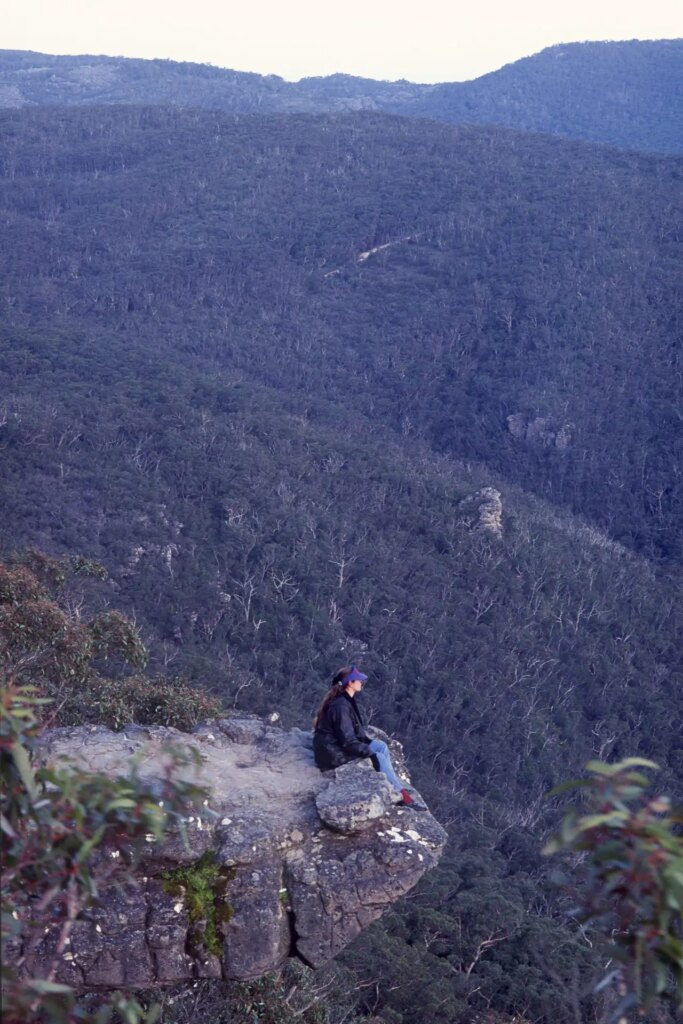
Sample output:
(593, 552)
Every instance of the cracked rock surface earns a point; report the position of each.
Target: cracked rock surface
(311, 858)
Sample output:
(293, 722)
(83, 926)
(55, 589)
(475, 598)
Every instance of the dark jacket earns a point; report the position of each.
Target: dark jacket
(340, 735)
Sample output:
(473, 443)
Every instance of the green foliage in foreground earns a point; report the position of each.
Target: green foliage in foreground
(633, 881)
(65, 832)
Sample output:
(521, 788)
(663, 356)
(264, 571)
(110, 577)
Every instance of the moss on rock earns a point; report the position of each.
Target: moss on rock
(203, 887)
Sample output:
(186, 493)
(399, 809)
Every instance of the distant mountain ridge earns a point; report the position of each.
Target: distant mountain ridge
(625, 94)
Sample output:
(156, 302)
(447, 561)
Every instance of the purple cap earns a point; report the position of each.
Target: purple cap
(354, 674)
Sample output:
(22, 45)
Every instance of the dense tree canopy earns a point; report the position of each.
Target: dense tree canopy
(522, 309)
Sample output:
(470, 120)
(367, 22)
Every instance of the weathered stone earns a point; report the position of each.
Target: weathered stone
(517, 424)
(488, 505)
(242, 730)
(356, 798)
(307, 859)
(354, 880)
(542, 430)
(258, 933)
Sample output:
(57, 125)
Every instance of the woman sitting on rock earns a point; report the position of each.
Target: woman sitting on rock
(339, 734)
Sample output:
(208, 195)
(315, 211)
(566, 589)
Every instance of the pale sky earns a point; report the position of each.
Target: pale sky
(421, 40)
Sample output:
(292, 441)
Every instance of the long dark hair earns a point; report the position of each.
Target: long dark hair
(336, 689)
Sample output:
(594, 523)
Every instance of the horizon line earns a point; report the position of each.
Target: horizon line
(344, 74)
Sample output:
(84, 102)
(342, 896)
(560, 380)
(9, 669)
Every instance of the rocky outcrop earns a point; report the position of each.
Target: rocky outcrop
(487, 506)
(304, 861)
(540, 430)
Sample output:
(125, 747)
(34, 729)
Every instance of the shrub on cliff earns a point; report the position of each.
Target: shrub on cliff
(88, 664)
(63, 832)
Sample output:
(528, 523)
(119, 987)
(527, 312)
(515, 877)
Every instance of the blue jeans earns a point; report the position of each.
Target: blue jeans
(380, 752)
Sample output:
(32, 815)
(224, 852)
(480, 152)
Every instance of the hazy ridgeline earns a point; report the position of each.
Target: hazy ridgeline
(622, 93)
(254, 365)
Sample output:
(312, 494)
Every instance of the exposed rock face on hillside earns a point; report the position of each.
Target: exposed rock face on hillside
(306, 860)
(488, 507)
(541, 430)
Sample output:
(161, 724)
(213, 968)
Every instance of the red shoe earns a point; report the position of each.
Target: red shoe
(408, 801)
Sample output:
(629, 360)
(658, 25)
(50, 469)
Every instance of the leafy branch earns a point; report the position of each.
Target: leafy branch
(633, 884)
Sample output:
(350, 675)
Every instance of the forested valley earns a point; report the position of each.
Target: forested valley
(263, 368)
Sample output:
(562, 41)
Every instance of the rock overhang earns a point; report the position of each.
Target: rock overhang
(310, 859)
